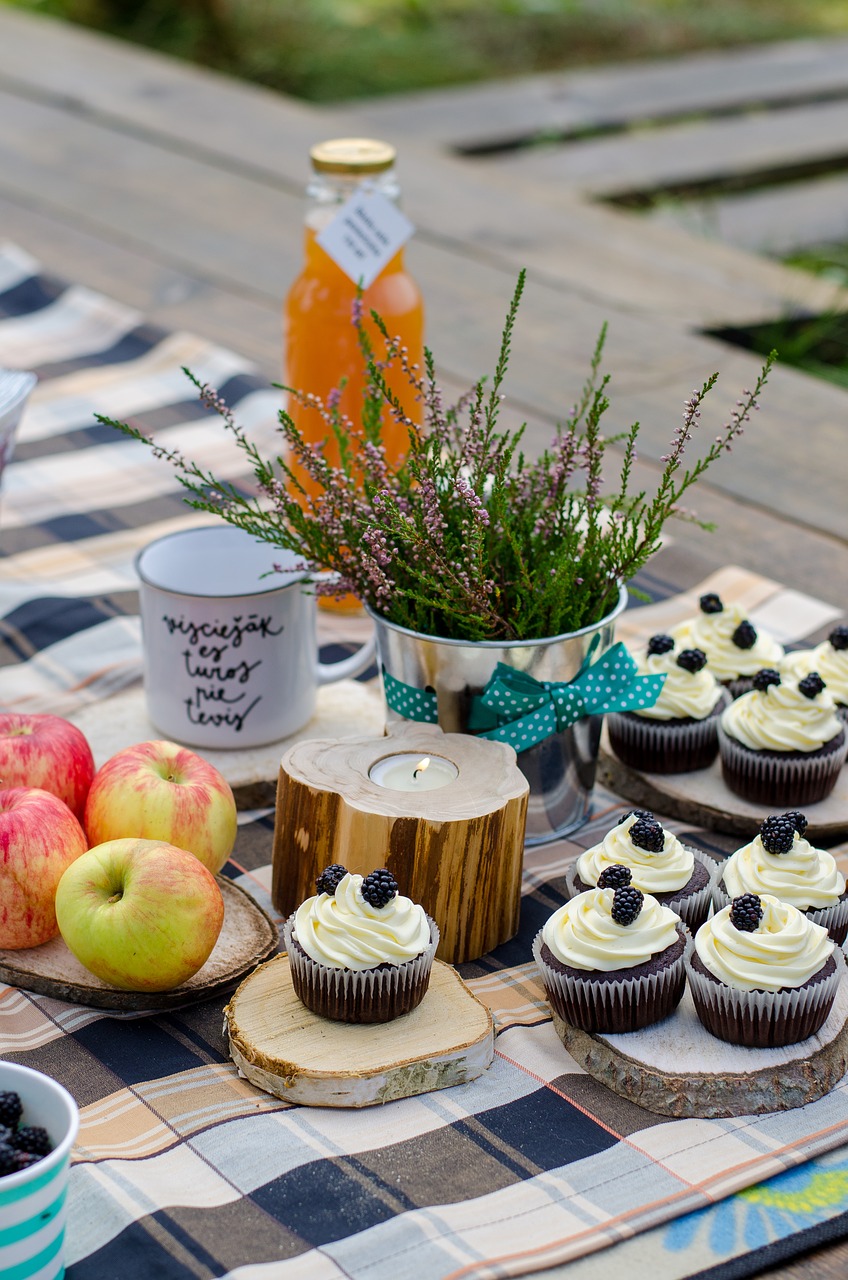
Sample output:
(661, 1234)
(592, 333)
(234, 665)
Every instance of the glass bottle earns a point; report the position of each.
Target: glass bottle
(321, 346)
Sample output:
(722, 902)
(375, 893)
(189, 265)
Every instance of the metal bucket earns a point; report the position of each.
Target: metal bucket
(560, 770)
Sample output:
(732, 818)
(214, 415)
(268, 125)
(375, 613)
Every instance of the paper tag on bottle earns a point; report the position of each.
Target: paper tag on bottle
(364, 235)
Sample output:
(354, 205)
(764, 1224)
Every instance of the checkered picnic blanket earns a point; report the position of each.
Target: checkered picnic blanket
(181, 1167)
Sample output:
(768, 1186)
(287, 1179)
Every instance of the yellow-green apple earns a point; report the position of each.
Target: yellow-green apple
(161, 791)
(39, 839)
(47, 752)
(141, 915)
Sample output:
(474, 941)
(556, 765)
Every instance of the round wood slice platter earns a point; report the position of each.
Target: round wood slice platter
(283, 1048)
(702, 798)
(676, 1068)
(248, 936)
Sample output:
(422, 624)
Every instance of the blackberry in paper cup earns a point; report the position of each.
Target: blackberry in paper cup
(678, 877)
(762, 974)
(360, 951)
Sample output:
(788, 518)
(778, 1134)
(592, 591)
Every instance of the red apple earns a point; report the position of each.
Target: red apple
(46, 752)
(140, 914)
(39, 839)
(160, 791)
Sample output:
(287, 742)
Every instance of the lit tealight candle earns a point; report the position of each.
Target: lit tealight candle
(408, 772)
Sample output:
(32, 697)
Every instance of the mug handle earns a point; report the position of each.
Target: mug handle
(327, 672)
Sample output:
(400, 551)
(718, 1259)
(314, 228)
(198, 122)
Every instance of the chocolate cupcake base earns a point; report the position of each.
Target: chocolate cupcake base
(380, 994)
(692, 902)
(763, 1019)
(617, 1001)
(665, 746)
(781, 777)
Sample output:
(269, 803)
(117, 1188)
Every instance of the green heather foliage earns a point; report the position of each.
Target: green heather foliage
(466, 537)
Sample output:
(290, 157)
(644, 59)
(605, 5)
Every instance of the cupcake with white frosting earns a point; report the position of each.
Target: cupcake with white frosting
(761, 974)
(679, 732)
(830, 660)
(782, 862)
(736, 650)
(783, 742)
(611, 959)
(678, 877)
(359, 951)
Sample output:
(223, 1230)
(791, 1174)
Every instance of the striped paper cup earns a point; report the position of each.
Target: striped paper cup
(32, 1202)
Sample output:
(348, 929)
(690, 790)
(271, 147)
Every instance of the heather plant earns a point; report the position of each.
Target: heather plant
(467, 537)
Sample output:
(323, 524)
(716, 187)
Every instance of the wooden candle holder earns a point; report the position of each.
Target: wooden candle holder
(457, 850)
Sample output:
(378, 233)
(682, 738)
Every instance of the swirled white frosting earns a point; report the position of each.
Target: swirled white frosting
(831, 664)
(661, 872)
(713, 632)
(805, 876)
(684, 693)
(785, 951)
(344, 931)
(781, 718)
(584, 935)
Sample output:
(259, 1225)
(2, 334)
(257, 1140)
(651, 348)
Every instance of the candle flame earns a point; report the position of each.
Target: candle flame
(421, 766)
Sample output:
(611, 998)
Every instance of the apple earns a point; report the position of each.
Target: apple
(141, 915)
(161, 791)
(47, 752)
(39, 839)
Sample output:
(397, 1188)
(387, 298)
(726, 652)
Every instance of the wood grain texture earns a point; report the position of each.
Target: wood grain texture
(282, 1047)
(676, 1068)
(248, 937)
(458, 851)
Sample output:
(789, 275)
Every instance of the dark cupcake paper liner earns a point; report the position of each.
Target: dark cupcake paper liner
(781, 777)
(665, 746)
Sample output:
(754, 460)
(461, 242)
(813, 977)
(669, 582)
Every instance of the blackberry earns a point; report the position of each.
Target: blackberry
(692, 660)
(647, 834)
(23, 1160)
(778, 833)
(638, 813)
(615, 877)
(812, 685)
(5, 1134)
(746, 912)
(800, 820)
(11, 1109)
(626, 904)
(765, 677)
(8, 1159)
(745, 635)
(660, 644)
(34, 1139)
(711, 603)
(379, 887)
(839, 637)
(330, 878)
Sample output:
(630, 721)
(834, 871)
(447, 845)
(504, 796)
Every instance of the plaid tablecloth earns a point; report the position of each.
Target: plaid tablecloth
(184, 1169)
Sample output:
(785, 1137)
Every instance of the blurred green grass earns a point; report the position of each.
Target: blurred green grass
(332, 50)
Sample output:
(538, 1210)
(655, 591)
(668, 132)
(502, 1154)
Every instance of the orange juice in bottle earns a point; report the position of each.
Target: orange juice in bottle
(321, 345)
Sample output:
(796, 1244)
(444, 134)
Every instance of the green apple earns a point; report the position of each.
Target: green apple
(161, 791)
(139, 914)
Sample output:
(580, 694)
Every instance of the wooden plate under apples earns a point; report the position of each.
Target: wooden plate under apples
(248, 937)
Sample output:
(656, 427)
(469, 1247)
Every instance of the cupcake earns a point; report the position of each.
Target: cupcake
(359, 951)
(783, 742)
(736, 650)
(611, 959)
(679, 732)
(780, 861)
(761, 974)
(830, 660)
(678, 877)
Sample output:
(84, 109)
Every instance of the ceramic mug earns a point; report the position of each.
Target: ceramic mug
(230, 655)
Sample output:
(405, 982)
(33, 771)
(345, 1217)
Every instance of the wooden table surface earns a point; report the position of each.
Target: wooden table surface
(179, 192)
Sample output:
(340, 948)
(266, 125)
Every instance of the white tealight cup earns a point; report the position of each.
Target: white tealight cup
(408, 771)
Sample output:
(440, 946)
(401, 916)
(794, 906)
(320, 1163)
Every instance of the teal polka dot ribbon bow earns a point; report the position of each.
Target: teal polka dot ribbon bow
(518, 709)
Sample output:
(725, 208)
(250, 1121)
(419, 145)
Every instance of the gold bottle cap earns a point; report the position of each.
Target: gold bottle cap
(352, 155)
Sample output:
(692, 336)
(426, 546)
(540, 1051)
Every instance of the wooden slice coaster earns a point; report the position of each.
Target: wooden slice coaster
(676, 1068)
(283, 1048)
(703, 799)
(247, 937)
